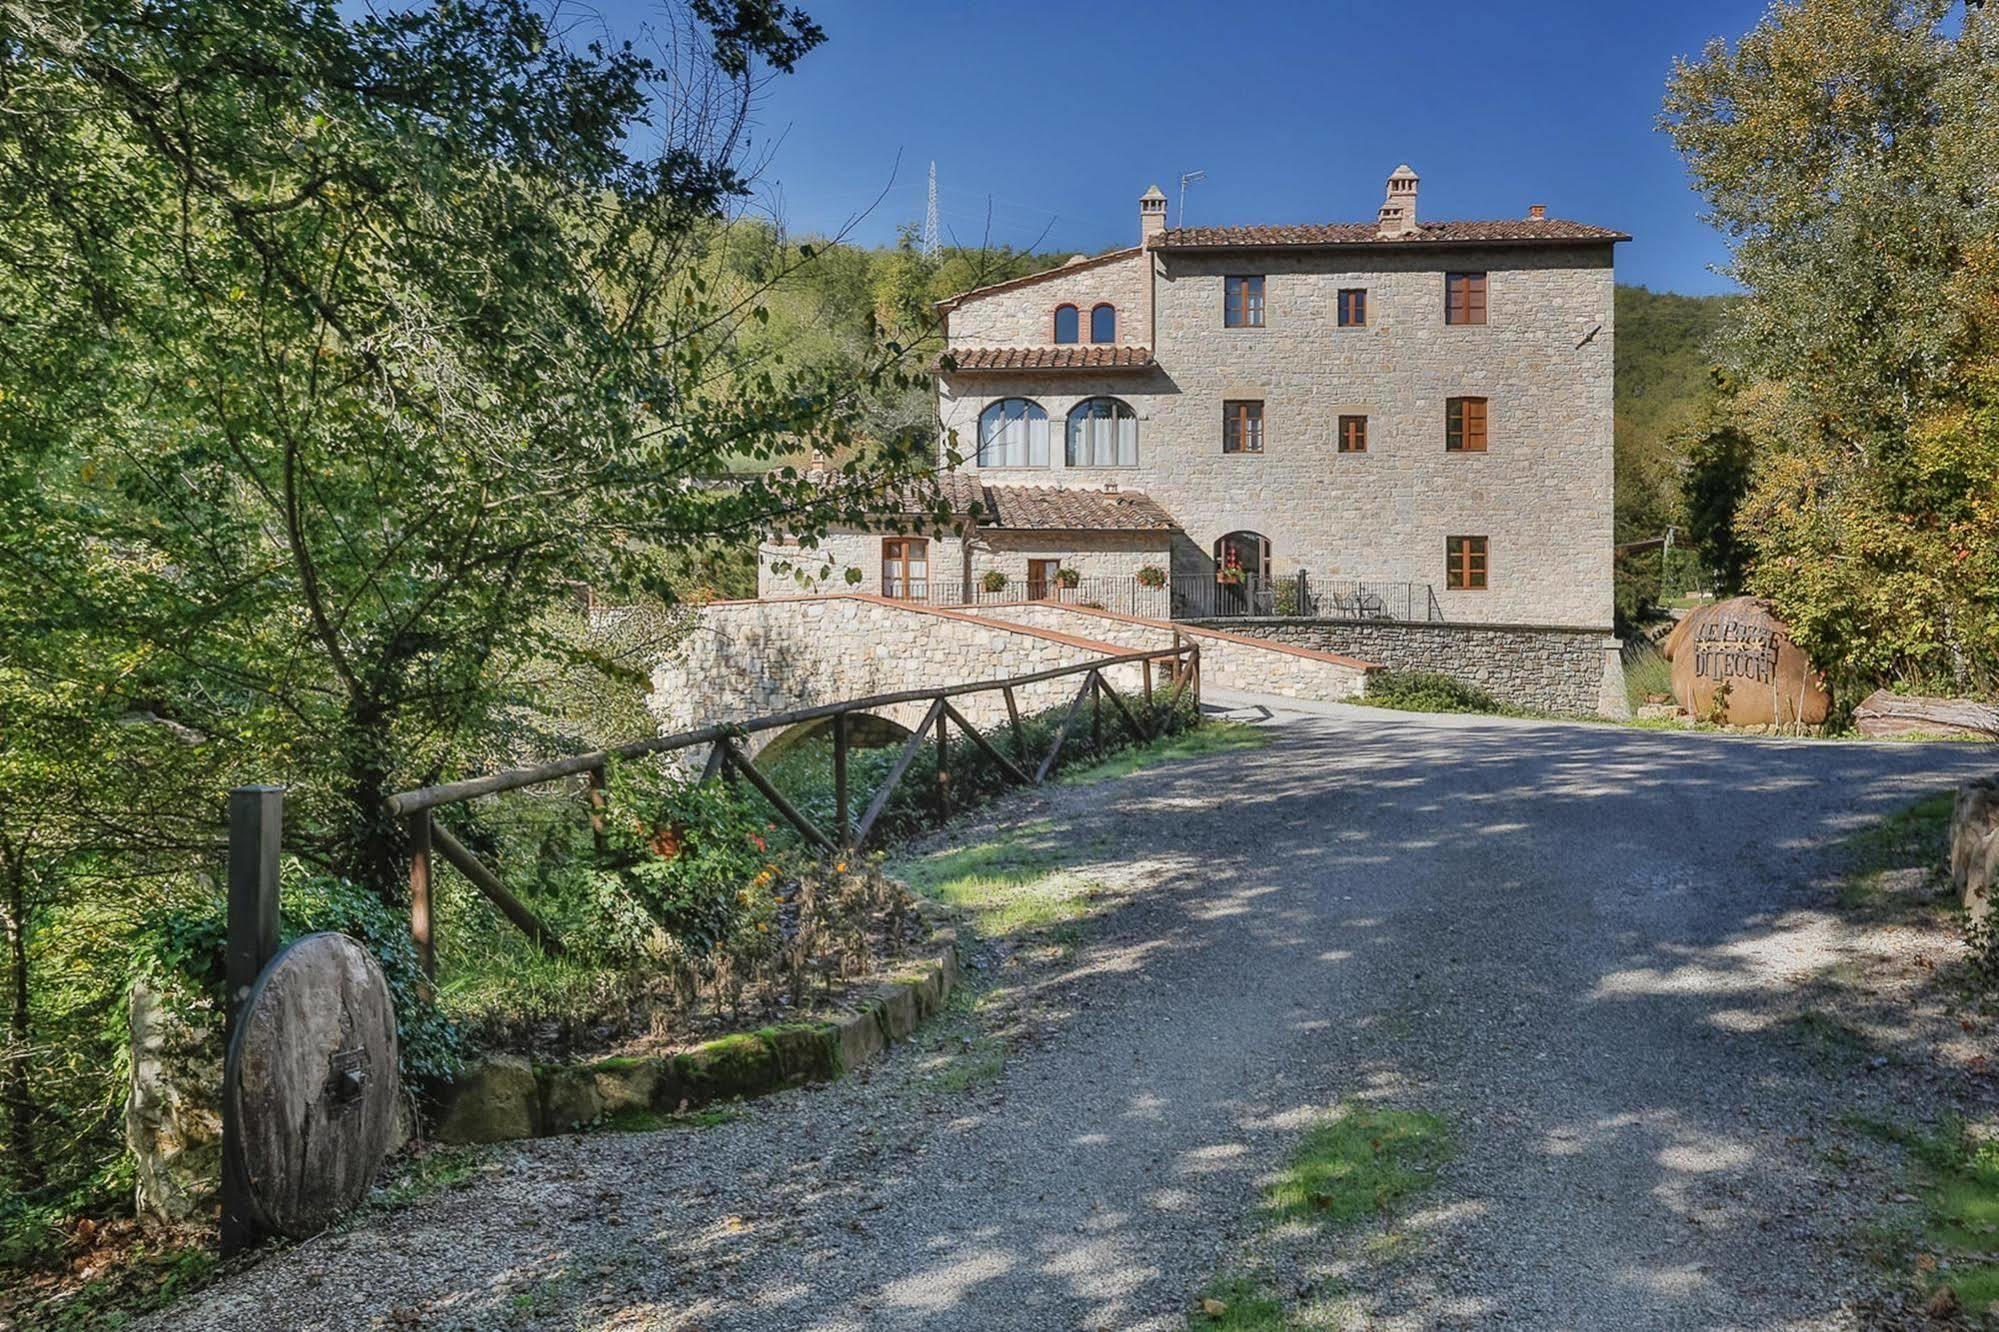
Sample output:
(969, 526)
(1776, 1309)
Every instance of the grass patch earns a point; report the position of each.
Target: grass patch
(1013, 884)
(430, 1173)
(1423, 691)
(1211, 737)
(1909, 839)
(1238, 1304)
(1957, 1180)
(1648, 675)
(1359, 1164)
(647, 1120)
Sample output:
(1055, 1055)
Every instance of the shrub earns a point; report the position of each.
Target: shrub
(993, 581)
(181, 947)
(1423, 691)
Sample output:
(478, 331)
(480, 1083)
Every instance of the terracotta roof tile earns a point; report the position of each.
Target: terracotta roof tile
(1074, 356)
(1552, 231)
(1063, 509)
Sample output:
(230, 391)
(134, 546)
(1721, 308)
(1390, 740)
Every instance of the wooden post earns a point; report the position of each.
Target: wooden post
(1096, 714)
(843, 833)
(1013, 724)
(423, 925)
(1148, 681)
(598, 801)
(256, 828)
(943, 767)
(1196, 668)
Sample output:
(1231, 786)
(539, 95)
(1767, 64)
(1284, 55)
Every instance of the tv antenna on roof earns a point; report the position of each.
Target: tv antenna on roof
(1188, 178)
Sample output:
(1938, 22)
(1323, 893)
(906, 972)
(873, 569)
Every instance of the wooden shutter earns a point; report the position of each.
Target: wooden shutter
(1464, 298)
(1464, 425)
(1353, 434)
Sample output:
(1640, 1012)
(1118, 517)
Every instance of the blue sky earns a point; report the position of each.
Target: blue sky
(1062, 114)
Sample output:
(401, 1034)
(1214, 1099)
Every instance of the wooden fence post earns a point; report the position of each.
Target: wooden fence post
(943, 769)
(423, 923)
(843, 825)
(1096, 714)
(256, 831)
(598, 801)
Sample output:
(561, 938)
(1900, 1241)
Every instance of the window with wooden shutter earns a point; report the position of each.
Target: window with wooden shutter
(1464, 298)
(1242, 302)
(1353, 307)
(1242, 427)
(1464, 563)
(1353, 434)
(1464, 425)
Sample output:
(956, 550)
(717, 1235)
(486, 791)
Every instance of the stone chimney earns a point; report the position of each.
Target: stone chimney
(1398, 211)
(1151, 214)
(1537, 212)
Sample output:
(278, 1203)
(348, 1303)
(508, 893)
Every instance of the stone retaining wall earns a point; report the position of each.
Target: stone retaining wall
(1228, 660)
(1548, 669)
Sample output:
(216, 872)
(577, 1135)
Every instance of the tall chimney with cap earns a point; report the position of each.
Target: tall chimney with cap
(1151, 214)
(1398, 211)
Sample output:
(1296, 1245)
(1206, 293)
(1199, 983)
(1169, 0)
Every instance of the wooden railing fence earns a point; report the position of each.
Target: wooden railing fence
(427, 838)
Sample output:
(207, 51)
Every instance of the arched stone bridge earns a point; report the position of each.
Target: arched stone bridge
(745, 659)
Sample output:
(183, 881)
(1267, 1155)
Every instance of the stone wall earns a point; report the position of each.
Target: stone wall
(1024, 315)
(1546, 668)
(1540, 494)
(1228, 660)
(746, 659)
(824, 568)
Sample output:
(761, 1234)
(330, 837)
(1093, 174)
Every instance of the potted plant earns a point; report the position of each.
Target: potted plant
(993, 581)
(1229, 572)
(1151, 575)
(1068, 578)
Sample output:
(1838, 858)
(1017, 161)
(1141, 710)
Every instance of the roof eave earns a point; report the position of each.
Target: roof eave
(1512, 243)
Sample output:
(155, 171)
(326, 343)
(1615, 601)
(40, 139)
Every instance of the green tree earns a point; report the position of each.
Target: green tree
(1845, 149)
(362, 339)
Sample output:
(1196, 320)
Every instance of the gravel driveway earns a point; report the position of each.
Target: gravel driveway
(1576, 943)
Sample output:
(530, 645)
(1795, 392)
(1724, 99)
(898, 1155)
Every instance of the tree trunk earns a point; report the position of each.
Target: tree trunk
(370, 852)
(16, 1085)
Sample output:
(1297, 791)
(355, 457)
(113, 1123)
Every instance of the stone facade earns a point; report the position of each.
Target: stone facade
(824, 567)
(1023, 315)
(1547, 668)
(1540, 494)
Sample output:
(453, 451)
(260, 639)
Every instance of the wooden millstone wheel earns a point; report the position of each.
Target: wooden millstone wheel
(311, 1080)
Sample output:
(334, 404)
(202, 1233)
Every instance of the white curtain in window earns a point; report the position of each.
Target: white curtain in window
(1013, 433)
(1103, 432)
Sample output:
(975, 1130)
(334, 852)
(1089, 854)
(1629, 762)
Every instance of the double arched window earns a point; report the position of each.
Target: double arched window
(1069, 323)
(1013, 432)
(1103, 432)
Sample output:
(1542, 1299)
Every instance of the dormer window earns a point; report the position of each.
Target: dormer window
(1067, 324)
(1103, 324)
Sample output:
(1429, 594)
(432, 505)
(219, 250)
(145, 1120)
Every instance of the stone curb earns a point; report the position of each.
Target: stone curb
(508, 1097)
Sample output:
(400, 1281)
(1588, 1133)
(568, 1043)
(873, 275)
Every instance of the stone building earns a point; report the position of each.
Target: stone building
(1396, 402)
(1390, 439)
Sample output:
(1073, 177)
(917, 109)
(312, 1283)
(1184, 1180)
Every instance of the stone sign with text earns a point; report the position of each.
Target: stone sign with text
(1734, 662)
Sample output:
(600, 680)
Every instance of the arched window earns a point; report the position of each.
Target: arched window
(1066, 324)
(1013, 432)
(1103, 432)
(1103, 324)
